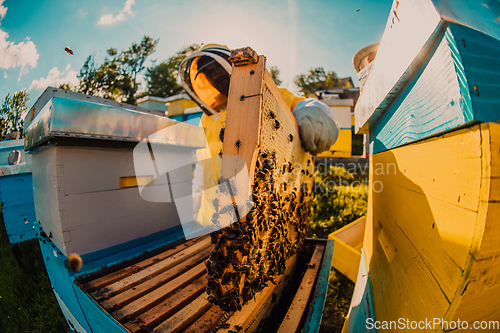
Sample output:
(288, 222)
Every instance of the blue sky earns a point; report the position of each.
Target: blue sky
(294, 35)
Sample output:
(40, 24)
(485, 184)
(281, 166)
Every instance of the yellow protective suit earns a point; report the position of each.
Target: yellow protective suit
(212, 126)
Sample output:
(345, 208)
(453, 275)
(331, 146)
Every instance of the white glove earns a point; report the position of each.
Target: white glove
(317, 127)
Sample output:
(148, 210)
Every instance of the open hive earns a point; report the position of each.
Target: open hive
(261, 129)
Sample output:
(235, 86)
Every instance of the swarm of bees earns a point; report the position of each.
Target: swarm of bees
(252, 252)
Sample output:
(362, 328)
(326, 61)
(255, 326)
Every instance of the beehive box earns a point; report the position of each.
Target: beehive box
(16, 191)
(431, 106)
(84, 178)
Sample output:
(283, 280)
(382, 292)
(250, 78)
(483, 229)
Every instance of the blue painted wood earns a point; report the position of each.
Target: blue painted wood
(458, 86)
(18, 209)
(98, 319)
(95, 261)
(436, 100)
(84, 309)
(315, 312)
(361, 315)
(60, 280)
(480, 56)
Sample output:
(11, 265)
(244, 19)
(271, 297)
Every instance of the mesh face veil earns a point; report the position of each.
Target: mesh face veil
(205, 77)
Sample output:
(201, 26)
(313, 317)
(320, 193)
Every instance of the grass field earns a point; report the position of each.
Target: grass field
(27, 303)
(340, 198)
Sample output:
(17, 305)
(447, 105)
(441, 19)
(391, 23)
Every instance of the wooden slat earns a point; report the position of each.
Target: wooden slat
(149, 285)
(168, 307)
(243, 125)
(297, 309)
(184, 318)
(151, 299)
(318, 299)
(208, 322)
(245, 317)
(148, 272)
(126, 271)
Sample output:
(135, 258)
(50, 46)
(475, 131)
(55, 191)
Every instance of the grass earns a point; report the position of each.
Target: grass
(340, 197)
(27, 303)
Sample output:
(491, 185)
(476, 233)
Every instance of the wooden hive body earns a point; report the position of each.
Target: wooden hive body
(432, 210)
(261, 129)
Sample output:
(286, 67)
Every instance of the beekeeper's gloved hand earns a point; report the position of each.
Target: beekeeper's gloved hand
(317, 128)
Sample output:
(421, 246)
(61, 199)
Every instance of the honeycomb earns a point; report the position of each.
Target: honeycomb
(250, 253)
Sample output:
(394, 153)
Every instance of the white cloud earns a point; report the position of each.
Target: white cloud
(55, 78)
(108, 19)
(83, 12)
(22, 54)
(128, 7)
(14, 55)
(3, 10)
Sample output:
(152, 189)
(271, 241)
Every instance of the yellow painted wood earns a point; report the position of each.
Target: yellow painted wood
(368, 239)
(481, 299)
(135, 181)
(387, 245)
(436, 201)
(347, 248)
(177, 107)
(342, 147)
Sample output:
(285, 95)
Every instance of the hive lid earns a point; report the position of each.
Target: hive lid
(62, 113)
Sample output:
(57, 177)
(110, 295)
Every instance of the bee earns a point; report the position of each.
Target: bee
(224, 325)
(221, 134)
(272, 115)
(75, 262)
(290, 137)
(276, 124)
(68, 50)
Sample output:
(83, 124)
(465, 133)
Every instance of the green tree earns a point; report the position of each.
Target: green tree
(116, 78)
(130, 64)
(65, 86)
(162, 79)
(88, 78)
(318, 79)
(11, 113)
(275, 74)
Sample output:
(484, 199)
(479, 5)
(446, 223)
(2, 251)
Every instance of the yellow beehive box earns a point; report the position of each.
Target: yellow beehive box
(348, 242)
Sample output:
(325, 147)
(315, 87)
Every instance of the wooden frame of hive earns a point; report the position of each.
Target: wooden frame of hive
(261, 129)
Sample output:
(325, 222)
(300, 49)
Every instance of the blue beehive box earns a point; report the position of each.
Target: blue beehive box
(16, 191)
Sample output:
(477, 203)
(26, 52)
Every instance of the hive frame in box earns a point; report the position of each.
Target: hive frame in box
(261, 129)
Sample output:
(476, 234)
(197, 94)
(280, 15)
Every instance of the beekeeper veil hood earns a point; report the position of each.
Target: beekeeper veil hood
(205, 77)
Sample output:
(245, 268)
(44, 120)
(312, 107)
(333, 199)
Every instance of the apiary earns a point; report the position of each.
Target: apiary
(141, 272)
